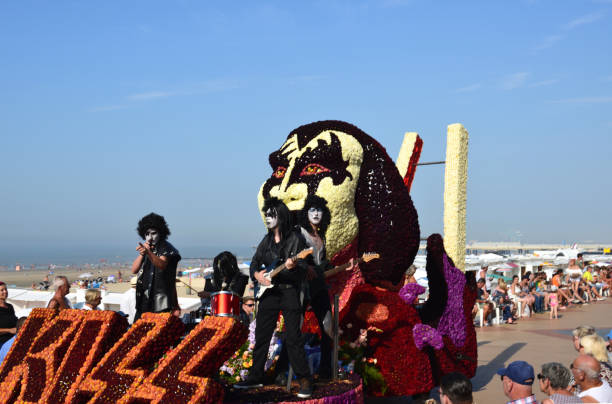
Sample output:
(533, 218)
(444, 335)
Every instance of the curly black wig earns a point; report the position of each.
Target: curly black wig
(315, 201)
(153, 221)
(285, 222)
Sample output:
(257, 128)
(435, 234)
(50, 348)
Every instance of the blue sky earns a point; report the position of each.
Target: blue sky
(110, 110)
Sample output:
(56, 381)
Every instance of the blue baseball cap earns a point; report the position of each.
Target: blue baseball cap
(519, 372)
(610, 335)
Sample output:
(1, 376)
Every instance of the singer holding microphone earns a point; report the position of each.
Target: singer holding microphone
(156, 268)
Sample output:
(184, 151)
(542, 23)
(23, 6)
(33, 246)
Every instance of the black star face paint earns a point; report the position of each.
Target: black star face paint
(327, 165)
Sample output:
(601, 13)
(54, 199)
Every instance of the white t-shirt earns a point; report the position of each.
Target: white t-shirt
(602, 394)
(128, 304)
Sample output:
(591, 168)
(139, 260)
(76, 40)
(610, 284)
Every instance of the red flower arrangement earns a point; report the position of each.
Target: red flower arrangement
(311, 324)
(132, 358)
(397, 357)
(37, 322)
(43, 359)
(98, 332)
(184, 375)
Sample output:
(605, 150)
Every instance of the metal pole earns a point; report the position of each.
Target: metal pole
(431, 163)
(336, 334)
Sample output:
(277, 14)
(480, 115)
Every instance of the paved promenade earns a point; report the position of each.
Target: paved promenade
(536, 340)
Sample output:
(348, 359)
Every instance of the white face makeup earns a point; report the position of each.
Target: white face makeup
(315, 215)
(152, 236)
(271, 219)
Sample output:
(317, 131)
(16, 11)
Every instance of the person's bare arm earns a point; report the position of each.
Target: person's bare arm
(588, 399)
(53, 304)
(8, 330)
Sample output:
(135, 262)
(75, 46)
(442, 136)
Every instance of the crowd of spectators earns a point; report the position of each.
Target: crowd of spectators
(536, 293)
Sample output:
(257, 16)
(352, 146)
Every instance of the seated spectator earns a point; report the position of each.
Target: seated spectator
(482, 301)
(586, 370)
(554, 380)
(501, 298)
(8, 344)
(93, 297)
(455, 388)
(587, 276)
(557, 280)
(596, 347)
(517, 380)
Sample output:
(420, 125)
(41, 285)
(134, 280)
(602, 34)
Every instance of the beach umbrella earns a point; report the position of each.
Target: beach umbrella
(490, 258)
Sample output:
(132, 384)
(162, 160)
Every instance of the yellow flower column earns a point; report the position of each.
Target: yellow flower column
(455, 193)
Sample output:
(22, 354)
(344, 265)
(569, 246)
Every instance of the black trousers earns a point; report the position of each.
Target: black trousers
(320, 306)
(274, 300)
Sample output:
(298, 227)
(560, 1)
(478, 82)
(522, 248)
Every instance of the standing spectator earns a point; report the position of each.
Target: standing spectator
(586, 369)
(554, 380)
(517, 380)
(455, 388)
(8, 344)
(62, 288)
(128, 301)
(553, 301)
(156, 268)
(595, 346)
(93, 298)
(575, 272)
(8, 321)
(610, 346)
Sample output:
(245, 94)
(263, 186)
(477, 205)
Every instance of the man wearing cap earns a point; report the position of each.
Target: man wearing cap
(517, 380)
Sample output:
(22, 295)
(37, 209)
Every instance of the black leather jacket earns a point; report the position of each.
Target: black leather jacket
(269, 253)
(156, 288)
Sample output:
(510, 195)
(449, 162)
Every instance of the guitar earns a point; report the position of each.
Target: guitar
(366, 257)
(261, 289)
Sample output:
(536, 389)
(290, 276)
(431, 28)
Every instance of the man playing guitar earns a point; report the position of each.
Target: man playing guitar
(281, 242)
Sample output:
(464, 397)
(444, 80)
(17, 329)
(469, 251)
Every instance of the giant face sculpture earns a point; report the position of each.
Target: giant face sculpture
(370, 207)
(327, 165)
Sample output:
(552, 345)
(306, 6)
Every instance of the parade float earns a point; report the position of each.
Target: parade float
(393, 345)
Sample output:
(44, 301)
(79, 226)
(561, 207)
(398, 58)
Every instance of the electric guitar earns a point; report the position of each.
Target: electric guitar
(261, 289)
(366, 257)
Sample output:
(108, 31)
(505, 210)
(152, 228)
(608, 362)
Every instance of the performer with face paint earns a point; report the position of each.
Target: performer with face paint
(281, 243)
(313, 221)
(156, 267)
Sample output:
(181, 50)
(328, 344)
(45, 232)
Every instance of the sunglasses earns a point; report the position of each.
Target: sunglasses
(250, 304)
(541, 376)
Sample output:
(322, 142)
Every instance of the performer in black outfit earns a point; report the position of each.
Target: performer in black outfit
(281, 242)
(156, 268)
(226, 276)
(313, 220)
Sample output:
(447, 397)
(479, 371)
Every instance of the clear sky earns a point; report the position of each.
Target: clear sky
(110, 110)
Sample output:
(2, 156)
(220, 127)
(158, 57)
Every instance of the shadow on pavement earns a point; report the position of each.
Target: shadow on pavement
(485, 373)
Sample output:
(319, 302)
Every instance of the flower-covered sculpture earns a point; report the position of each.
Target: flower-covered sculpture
(371, 209)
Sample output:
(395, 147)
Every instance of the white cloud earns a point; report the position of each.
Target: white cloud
(585, 19)
(585, 100)
(469, 88)
(513, 81)
(150, 95)
(544, 83)
(108, 108)
(548, 42)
